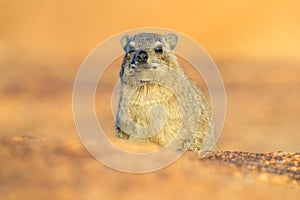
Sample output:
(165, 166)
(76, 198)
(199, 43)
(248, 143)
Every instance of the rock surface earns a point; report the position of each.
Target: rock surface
(35, 168)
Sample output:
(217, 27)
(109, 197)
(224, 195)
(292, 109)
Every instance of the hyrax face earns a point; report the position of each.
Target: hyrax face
(145, 52)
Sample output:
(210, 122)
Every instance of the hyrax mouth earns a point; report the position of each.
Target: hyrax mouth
(144, 72)
(139, 66)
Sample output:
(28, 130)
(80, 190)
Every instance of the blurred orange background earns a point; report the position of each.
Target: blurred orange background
(256, 29)
(42, 44)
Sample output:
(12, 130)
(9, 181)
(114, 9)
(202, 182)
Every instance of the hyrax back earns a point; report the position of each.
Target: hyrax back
(147, 56)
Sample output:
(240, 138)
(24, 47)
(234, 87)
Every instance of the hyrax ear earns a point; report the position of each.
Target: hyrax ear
(125, 40)
(171, 39)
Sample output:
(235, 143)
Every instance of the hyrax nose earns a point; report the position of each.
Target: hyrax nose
(142, 56)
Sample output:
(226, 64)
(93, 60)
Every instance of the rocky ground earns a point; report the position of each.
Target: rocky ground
(35, 168)
(280, 163)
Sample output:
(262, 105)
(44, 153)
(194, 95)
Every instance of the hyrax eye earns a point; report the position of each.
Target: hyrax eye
(158, 49)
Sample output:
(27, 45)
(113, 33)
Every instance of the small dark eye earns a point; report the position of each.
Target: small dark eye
(159, 49)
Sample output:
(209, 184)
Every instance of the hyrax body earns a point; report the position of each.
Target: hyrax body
(146, 54)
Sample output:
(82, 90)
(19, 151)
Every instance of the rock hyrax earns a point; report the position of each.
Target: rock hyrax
(149, 62)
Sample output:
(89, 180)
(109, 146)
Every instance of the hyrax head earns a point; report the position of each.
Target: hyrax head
(147, 51)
